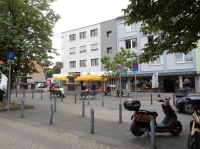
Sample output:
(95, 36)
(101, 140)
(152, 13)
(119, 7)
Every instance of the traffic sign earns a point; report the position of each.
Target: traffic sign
(135, 66)
(120, 67)
(11, 56)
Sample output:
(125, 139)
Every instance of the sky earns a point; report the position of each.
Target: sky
(80, 13)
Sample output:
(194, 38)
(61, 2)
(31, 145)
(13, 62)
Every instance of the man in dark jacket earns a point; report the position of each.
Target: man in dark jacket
(1, 95)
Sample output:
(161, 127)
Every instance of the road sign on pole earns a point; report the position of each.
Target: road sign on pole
(135, 66)
(10, 57)
(120, 67)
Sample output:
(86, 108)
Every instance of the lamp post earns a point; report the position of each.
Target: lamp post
(135, 68)
(120, 90)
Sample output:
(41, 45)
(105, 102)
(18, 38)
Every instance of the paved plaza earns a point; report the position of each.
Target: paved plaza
(70, 130)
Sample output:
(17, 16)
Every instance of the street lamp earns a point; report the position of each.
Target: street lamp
(119, 68)
(135, 68)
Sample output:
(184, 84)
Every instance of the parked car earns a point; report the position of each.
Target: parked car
(182, 106)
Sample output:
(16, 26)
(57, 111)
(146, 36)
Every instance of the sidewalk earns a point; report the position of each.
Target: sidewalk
(72, 131)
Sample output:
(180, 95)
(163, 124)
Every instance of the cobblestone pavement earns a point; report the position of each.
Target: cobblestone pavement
(70, 130)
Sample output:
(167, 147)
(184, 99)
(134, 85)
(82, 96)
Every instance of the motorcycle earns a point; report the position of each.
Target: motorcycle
(194, 136)
(141, 118)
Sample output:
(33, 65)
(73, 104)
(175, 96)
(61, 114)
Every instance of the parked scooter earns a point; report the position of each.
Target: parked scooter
(194, 136)
(141, 118)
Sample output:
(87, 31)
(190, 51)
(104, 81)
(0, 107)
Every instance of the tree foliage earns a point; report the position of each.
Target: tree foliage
(25, 29)
(175, 21)
(49, 73)
(55, 70)
(124, 58)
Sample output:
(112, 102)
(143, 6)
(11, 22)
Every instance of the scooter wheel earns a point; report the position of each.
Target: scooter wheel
(136, 130)
(177, 128)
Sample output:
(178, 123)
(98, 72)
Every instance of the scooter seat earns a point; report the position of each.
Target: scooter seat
(153, 113)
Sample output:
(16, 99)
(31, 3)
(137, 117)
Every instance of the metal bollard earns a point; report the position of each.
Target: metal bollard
(153, 136)
(83, 108)
(24, 94)
(54, 104)
(51, 114)
(174, 100)
(62, 98)
(151, 100)
(50, 96)
(16, 92)
(92, 121)
(120, 113)
(32, 94)
(22, 108)
(102, 100)
(88, 100)
(41, 95)
(75, 97)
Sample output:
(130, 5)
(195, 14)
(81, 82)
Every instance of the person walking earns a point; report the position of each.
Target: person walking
(1, 95)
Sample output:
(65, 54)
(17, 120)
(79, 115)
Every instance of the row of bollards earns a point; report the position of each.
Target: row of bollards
(53, 109)
(151, 99)
(24, 94)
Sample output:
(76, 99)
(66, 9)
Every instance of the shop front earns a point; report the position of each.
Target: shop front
(167, 82)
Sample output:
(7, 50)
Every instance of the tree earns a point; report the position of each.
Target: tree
(25, 29)
(176, 22)
(124, 58)
(49, 73)
(55, 70)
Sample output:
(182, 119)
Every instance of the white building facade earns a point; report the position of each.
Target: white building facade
(81, 50)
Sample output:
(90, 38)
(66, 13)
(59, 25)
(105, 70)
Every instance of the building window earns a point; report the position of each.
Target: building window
(83, 49)
(94, 32)
(94, 47)
(72, 64)
(72, 37)
(82, 35)
(132, 27)
(94, 62)
(158, 61)
(150, 38)
(72, 50)
(132, 43)
(83, 63)
(109, 50)
(109, 33)
(181, 58)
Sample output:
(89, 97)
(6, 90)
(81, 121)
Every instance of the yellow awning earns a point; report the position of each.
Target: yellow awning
(63, 78)
(90, 77)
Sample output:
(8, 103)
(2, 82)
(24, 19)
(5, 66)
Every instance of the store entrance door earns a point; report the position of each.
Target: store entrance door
(169, 85)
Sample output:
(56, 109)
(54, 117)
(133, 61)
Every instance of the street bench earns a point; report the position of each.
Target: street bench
(84, 94)
(56, 92)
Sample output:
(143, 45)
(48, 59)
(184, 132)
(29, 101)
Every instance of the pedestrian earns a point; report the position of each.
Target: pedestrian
(108, 89)
(52, 88)
(119, 89)
(1, 95)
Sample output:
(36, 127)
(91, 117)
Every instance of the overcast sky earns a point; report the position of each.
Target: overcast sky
(80, 13)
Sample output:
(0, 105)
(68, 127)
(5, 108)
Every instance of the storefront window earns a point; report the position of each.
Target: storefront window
(143, 84)
(188, 83)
